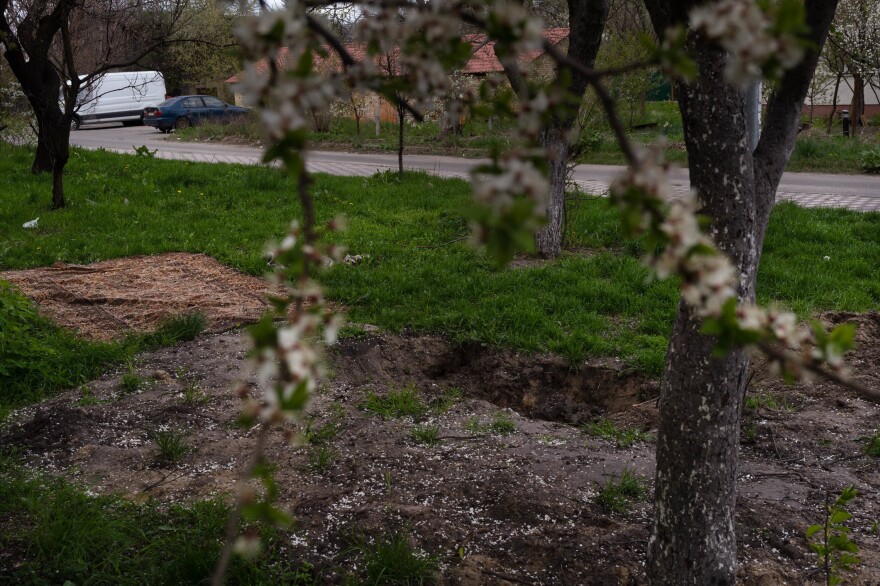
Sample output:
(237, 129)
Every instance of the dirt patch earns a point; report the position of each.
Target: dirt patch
(540, 387)
(112, 298)
(498, 508)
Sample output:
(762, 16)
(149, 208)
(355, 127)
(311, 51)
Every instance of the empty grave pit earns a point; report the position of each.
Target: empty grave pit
(536, 386)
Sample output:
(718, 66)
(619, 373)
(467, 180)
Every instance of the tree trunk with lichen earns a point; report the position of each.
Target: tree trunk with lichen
(586, 23)
(694, 537)
(549, 238)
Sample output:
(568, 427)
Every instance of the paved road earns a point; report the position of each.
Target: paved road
(858, 192)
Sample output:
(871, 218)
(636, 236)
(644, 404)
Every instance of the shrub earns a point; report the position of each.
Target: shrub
(870, 160)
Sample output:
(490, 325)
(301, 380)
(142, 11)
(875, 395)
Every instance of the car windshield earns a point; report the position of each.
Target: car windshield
(168, 102)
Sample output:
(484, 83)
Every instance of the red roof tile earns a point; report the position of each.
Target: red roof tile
(483, 59)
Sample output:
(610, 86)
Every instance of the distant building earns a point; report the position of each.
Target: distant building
(820, 102)
(483, 62)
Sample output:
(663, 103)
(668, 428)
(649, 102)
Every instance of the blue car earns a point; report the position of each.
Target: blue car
(185, 111)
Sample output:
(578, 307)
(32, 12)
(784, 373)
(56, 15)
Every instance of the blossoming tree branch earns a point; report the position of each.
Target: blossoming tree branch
(710, 238)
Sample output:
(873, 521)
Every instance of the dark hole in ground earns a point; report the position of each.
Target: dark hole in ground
(541, 387)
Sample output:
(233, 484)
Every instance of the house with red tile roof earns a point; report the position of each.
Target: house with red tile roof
(482, 62)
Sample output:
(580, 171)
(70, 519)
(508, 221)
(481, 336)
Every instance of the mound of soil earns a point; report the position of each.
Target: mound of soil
(110, 299)
(498, 508)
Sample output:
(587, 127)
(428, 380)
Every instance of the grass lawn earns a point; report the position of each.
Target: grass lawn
(596, 301)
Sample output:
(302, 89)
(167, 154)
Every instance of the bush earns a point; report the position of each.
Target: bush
(870, 160)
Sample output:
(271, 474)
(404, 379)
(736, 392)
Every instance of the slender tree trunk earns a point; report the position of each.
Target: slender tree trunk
(401, 116)
(60, 147)
(587, 21)
(43, 157)
(857, 108)
(53, 139)
(549, 238)
(834, 102)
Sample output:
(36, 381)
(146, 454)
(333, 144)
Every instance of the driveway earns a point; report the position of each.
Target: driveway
(857, 192)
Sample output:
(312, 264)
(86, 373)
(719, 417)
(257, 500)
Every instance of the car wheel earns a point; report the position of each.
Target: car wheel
(75, 123)
(181, 123)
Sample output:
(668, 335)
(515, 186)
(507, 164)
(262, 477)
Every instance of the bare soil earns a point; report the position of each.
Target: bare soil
(515, 508)
(496, 508)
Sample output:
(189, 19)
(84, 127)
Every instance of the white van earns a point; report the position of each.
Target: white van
(118, 97)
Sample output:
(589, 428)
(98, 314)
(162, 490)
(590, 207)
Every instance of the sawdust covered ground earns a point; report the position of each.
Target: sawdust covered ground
(112, 298)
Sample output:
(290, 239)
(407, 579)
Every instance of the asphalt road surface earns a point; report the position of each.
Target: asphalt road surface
(858, 192)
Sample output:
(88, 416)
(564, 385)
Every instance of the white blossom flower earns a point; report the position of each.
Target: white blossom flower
(746, 32)
(751, 317)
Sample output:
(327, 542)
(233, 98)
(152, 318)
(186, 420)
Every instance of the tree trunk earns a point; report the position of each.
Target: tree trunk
(401, 115)
(43, 157)
(53, 141)
(60, 147)
(53, 138)
(857, 108)
(587, 21)
(694, 538)
(549, 238)
(834, 102)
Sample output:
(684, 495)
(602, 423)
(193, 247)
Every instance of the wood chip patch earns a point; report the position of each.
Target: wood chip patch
(113, 298)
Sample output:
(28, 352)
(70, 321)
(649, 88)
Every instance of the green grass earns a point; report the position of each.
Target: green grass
(392, 561)
(130, 382)
(37, 358)
(582, 305)
(616, 495)
(322, 434)
(171, 446)
(624, 437)
(405, 402)
(872, 446)
(428, 435)
(766, 401)
(56, 533)
(87, 396)
(502, 424)
(320, 458)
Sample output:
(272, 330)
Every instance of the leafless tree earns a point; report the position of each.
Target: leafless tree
(56, 47)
